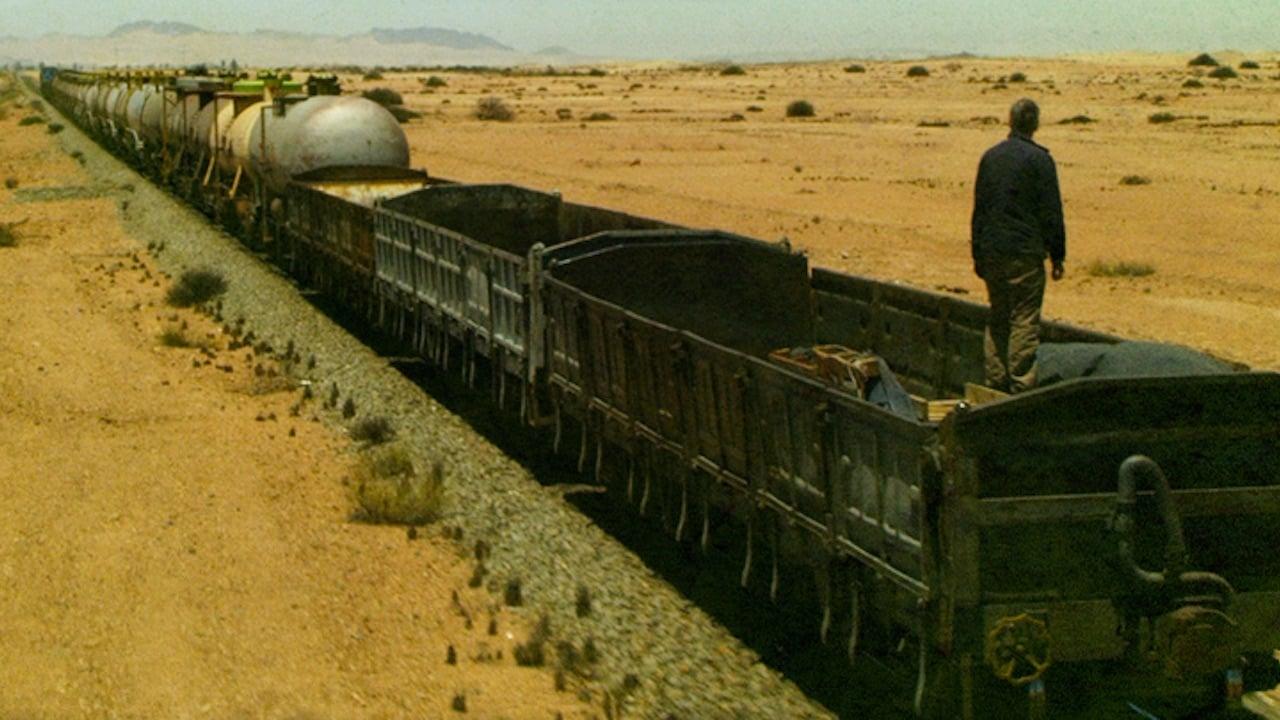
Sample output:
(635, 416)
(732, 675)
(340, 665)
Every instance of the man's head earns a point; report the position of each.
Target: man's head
(1024, 117)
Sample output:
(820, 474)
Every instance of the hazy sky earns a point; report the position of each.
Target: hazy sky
(696, 28)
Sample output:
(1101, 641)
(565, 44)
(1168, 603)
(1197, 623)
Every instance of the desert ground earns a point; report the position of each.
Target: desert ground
(175, 538)
(879, 181)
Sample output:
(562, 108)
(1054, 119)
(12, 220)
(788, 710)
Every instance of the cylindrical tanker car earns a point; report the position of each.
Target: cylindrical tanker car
(1108, 538)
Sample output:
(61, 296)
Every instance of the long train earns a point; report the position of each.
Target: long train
(1110, 537)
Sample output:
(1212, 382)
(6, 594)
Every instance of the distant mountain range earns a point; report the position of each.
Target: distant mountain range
(176, 43)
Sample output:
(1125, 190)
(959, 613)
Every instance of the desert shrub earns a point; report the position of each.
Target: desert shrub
(1135, 180)
(174, 338)
(403, 114)
(1192, 83)
(373, 431)
(599, 117)
(532, 652)
(800, 108)
(54, 128)
(384, 96)
(11, 182)
(1018, 77)
(1223, 72)
(733, 70)
(388, 489)
(933, 124)
(38, 105)
(493, 108)
(754, 108)
(564, 114)
(1100, 268)
(1203, 60)
(31, 120)
(917, 71)
(736, 117)
(854, 68)
(1161, 117)
(1077, 120)
(373, 75)
(596, 72)
(1249, 65)
(195, 287)
(8, 238)
(435, 81)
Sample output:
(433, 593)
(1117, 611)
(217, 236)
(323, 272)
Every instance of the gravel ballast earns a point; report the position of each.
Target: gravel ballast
(686, 665)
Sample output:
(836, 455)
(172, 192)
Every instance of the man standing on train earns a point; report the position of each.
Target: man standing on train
(1017, 222)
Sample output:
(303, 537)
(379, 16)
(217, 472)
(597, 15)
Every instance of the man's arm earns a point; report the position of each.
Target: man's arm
(977, 222)
(1052, 228)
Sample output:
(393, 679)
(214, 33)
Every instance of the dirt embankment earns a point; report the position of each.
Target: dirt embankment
(174, 528)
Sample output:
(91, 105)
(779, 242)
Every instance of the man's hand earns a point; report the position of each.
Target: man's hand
(1058, 270)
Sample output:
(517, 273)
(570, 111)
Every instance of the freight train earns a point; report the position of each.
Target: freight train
(1107, 537)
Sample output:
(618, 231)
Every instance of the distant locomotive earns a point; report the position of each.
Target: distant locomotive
(1006, 541)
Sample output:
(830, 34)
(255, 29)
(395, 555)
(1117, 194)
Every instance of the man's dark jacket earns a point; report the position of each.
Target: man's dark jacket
(1017, 208)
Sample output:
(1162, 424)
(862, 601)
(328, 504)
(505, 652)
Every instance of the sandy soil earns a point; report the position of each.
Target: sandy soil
(865, 188)
(173, 543)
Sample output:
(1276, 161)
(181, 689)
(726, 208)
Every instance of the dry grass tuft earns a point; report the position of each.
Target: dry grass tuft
(1135, 180)
(373, 431)
(195, 287)
(388, 489)
(599, 117)
(494, 108)
(9, 238)
(1100, 268)
(1161, 117)
(1077, 120)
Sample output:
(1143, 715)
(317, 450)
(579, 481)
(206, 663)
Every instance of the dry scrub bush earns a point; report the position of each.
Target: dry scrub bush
(733, 70)
(388, 489)
(1018, 77)
(1161, 117)
(1192, 83)
(1223, 73)
(435, 81)
(54, 128)
(383, 96)
(403, 114)
(1249, 65)
(373, 75)
(800, 109)
(1203, 60)
(8, 238)
(196, 287)
(917, 71)
(373, 431)
(855, 68)
(10, 183)
(1135, 180)
(493, 108)
(30, 120)
(174, 338)
(1077, 120)
(599, 117)
(1100, 268)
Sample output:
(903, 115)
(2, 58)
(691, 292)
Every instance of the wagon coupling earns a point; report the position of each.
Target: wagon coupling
(1192, 632)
